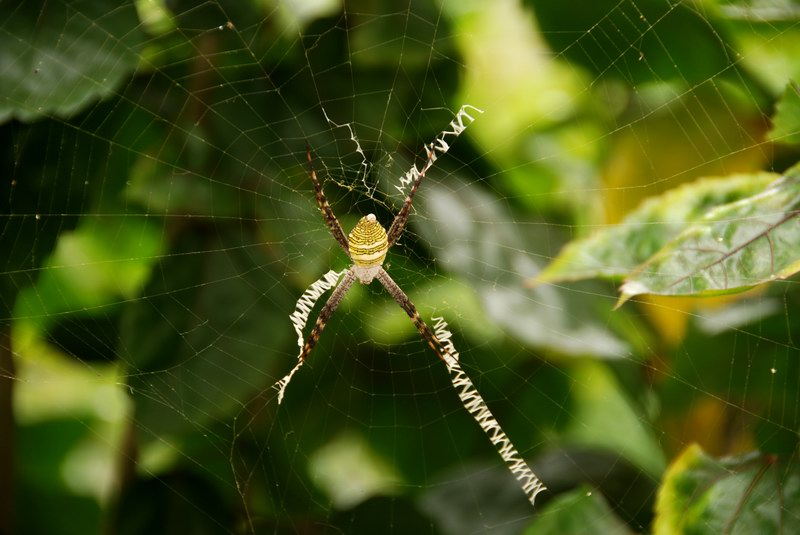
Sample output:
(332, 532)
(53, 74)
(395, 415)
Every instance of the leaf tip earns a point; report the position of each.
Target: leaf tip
(629, 289)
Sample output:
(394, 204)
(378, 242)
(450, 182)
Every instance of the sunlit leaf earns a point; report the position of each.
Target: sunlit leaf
(58, 57)
(786, 122)
(613, 252)
(93, 267)
(739, 495)
(732, 248)
(37, 487)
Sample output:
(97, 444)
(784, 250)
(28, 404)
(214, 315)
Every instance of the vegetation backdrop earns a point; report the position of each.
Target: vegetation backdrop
(613, 243)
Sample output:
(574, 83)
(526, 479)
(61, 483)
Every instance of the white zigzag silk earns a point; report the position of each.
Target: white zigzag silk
(476, 406)
(300, 318)
(440, 145)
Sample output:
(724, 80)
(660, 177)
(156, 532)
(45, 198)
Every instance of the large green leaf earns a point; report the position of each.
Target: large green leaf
(57, 57)
(91, 269)
(603, 416)
(613, 252)
(733, 247)
(738, 495)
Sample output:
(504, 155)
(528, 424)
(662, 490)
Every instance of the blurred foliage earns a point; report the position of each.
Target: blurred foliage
(699, 493)
(786, 123)
(714, 236)
(158, 225)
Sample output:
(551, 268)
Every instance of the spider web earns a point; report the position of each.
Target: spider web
(159, 226)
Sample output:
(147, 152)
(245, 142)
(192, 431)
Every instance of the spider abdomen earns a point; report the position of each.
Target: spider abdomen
(368, 244)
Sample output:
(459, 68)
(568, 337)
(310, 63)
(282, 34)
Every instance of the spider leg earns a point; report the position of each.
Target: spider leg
(325, 314)
(403, 300)
(467, 393)
(327, 311)
(401, 219)
(325, 208)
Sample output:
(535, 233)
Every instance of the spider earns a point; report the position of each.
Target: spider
(367, 245)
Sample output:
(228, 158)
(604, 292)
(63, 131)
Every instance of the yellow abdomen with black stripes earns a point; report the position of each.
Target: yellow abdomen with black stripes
(368, 243)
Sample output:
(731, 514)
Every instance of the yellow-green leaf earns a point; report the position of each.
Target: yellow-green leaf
(752, 493)
(732, 248)
(615, 251)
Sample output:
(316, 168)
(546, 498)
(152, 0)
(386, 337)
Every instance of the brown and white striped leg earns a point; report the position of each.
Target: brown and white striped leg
(414, 176)
(403, 300)
(470, 397)
(400, 220)
(325, 314)
(327, 311)
(325, 208)
(476, 406)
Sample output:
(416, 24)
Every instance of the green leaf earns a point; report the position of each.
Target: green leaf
(58, 57)
(614, 251)
(43, 451)
(211, 330)
(786, 122)
(475, 494)
(92, 268)
(582, 510)
(473, 236)
(602, 415)
(751, 493)
(641, 41)
(733, 247)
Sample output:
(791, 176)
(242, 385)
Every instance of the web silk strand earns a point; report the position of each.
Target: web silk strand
(299, 319)
(440, 145)
(476, 406)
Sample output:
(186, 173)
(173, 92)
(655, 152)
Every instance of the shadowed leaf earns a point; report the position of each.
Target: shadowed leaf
(574, 511)
(58, 57)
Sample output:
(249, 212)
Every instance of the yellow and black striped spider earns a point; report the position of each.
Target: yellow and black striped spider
(366, 246)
